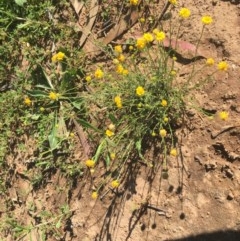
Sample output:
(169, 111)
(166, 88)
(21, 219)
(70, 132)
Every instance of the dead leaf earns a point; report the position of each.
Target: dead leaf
(77, 5)
(92, 17)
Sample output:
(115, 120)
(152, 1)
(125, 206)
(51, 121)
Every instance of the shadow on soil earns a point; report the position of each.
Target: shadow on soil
(228, 235)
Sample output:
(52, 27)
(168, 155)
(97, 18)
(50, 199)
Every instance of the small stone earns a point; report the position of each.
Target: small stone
(230, 196)
(210, 166)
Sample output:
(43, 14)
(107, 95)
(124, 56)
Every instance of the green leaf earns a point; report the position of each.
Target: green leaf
(37, 93)
(59, 223)
(139, 148)
(20, 2)
(85, 124)
(107, 160)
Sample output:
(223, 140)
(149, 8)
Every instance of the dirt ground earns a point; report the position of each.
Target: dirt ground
(200, 200)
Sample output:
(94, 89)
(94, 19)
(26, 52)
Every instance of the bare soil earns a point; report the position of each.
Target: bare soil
(200, 199)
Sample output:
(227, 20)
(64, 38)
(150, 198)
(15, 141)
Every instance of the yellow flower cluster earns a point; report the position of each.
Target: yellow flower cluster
(90, 163)
(173, 152)
(58, 57)
(109, 133)
(118, 49)
(206, 20)
(140, 91)
(88, 78)
(27, 101)
(164, 103)
(134, 2)
(115, 184)
(53, 96)
(118, 101)
(223, 115)
(98, 73)
(210, 61)
(173, 2)
(163, 133)
(184, 13)
(223, 66)
(94, 195)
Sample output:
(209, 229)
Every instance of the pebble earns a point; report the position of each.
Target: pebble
(230, 196)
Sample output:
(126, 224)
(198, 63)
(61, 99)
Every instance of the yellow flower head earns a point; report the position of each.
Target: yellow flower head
(58, 57)
(223, 66)
(133, 2)
(223, 115)
(109, 133)
(115, 184)
(42, 109)
(94, 195)
(140, 91)
(88, 78)
(173, 72)
(184, 13)
(210, 61)
(163, 133)
(118, 49)
(118, 101)
(142, 20)
(125, 72)
(27, 101)
(165, 119)
(173, 152)
(207, 20)
(90, 163)
(119, 69)
(155, 31)
(173, 2)
(160, 36)
(141, 43)
(121, 58)
(148, 37)
(98, 73)
(53, 96)
(164, 103)
(113, 156)
(115, 61)
(153, 133)
(130, 48)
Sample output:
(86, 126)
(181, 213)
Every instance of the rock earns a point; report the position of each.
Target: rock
(210, 166)
(230, 196)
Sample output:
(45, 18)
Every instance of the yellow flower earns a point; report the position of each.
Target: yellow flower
(184, 13)
(90, 163)
(223, 66)
(42, 109)
(58, 57)
(141, 43)
(142, 20)
(109, 133)
(160, 36)
(125, 72)
(173, 2)
(112, 156)
(162, 133)
(173, 73)
(71, 134)
(130, 47)
(115, 61)
(210, 61)
(133, 2)
(118, 49)
(164, 103)
(118, 101)
(207, 20)
(115, 184)
(140, 91)
(165, 119)
(88, 78)
(148, 37)
(119, 69)
(223, 115)
(99, 74)
(27, 101)
(53, 96)
(155, 31)
(173, 152)
(94, 195)
(121, 58)
(153, 133)
(174, 58)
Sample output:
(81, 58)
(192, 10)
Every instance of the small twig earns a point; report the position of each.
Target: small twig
(158, 210)
(225, 129)
(162, 14)
(83, 139)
